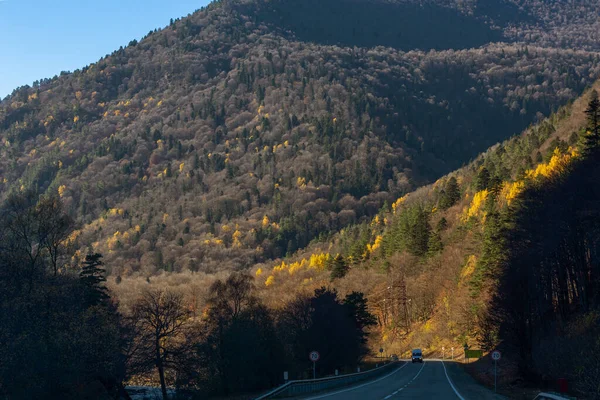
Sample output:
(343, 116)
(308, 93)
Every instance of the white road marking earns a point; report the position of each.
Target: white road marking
(451, 384)
(411, 381)
(357, 387)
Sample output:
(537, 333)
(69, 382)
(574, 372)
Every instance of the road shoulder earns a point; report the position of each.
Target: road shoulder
(466, 385)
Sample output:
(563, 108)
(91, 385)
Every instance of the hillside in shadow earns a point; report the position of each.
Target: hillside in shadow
(369, 24)
(502, 13)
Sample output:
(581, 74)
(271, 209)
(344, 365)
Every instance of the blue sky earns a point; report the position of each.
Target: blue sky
(41, 38)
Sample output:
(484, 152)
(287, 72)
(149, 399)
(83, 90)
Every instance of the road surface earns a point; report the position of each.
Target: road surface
(430, 380)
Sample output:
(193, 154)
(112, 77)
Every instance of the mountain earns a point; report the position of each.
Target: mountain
(365, 162)
(246, 130)
(501, 253)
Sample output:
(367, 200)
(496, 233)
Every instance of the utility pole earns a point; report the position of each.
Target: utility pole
(404, 303)
(392, 304)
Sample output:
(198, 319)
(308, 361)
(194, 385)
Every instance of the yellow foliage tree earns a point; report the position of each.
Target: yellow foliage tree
(556, 166)
(469, 267)
(398, 203)
(265, 221)
(301, 182)
(318, 262)
(510, 191)
(475, 209)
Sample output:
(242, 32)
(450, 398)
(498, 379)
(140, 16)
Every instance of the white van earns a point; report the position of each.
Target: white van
(417, 356)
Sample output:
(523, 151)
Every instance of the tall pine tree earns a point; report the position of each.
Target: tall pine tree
(450, 194)
(92, 277)
(592, 137)
(483, 179)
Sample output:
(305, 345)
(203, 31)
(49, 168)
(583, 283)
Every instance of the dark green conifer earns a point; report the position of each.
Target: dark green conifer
(92, 276)
(482, 181)
(450, 194)
(339, 267)
(592, 137)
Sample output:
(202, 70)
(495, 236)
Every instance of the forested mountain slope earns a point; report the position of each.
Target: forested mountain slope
(240, 133)
(502, 252)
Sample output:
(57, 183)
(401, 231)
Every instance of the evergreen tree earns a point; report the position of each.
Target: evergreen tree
(495, 186)
(483, 179)
(435, 244)
(92, 277)
(356, 302)
(419, 232)
(592, 139)
(409, 232)
(441, 225)
(493, 251)
(538, 157)
(450, 194)
(358, 246)
(339, 267)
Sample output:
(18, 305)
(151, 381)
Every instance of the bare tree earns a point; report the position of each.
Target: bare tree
(55, 228)
(159, 323)
(231, 296)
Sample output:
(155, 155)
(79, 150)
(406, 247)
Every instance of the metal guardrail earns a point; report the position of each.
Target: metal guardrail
(553, 396)
(298, 387)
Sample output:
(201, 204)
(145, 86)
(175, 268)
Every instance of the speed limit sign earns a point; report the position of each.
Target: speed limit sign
(496, 355)
(314, 356)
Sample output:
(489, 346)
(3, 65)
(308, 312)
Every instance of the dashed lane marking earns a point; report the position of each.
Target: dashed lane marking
(403, 387)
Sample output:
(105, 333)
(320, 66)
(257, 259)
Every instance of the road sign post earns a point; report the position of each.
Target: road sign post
(496, 355)
(452, 353)
(314, 357)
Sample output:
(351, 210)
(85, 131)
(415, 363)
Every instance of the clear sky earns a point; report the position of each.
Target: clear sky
(41, 38)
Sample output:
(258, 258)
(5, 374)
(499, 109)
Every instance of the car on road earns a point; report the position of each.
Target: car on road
(417, 356)
(394, 357)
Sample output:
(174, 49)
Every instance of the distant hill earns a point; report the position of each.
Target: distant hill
(246, 130)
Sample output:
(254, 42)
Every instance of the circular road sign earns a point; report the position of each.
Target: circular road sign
(496, 355)
(314, 356)
(381, 350)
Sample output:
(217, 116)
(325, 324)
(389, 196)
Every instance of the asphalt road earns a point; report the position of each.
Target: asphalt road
(430, 380)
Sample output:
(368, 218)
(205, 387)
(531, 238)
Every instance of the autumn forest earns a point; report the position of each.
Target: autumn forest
(263, 177)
